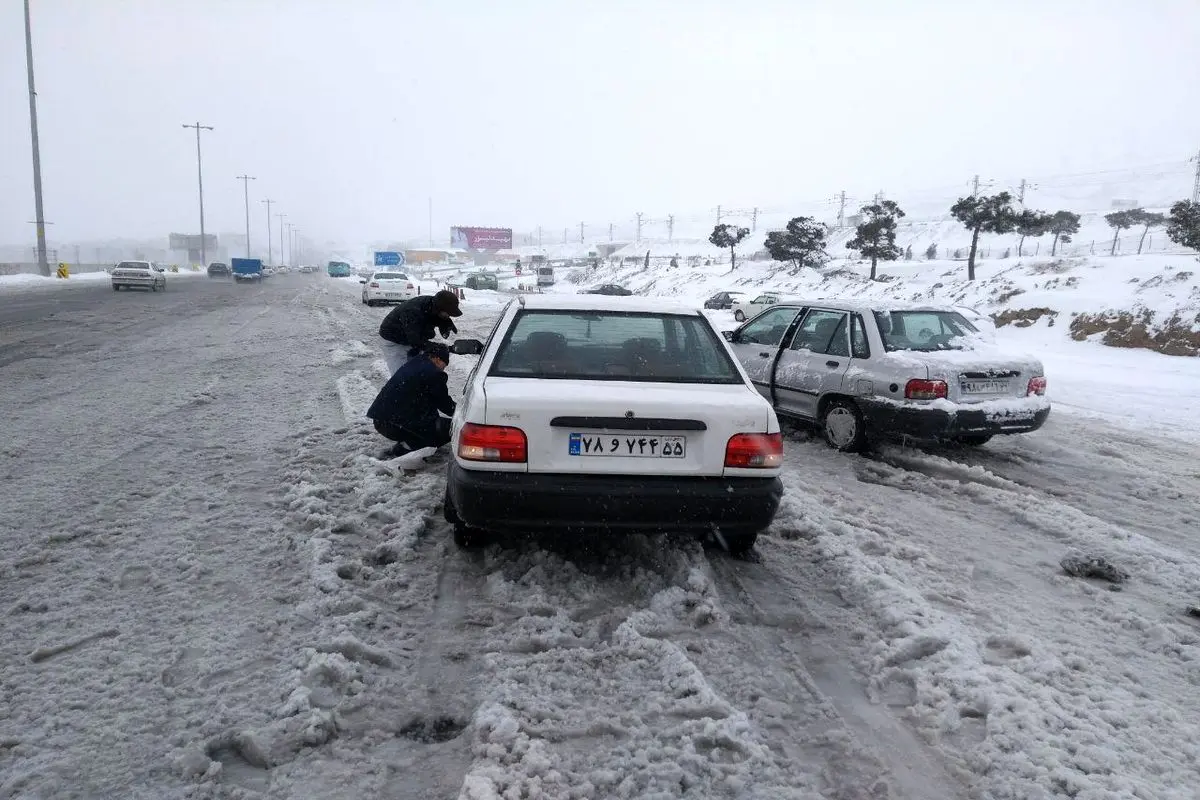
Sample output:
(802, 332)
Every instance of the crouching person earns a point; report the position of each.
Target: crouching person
(407, 408)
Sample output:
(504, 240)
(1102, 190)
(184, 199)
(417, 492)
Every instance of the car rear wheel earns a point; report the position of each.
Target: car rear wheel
(843, 427)
(465, 536)
(154, 286)
(737, 544)
(974, 439)
(116, 287)
(739, 316)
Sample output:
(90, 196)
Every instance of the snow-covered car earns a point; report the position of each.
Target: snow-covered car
(610, 289)
(863, 371)
(608, 414)
(744, 310)
(723, 301)
(219, 269)
(388, 287)
(138, 274)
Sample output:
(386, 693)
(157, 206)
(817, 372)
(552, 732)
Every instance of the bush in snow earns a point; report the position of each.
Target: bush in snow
(931, 252)
(992, 214)
(875, 236)
(802, 242)
(1064, 225)
(1183, 224)
(729, 236)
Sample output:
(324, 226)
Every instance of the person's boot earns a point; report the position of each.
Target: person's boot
(399, 449)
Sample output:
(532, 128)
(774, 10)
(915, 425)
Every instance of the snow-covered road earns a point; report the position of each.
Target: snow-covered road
(213, 588)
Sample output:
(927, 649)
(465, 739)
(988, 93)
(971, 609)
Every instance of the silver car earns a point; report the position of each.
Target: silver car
(862, 370)
(138, 274)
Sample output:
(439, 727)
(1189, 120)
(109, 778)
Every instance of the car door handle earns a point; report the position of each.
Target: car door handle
(833, 364)
(764, 354)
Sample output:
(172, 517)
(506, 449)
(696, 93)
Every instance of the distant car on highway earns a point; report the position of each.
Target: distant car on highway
(608, 415)
(481, 280)
(139, 275)
(863, 370)
(610, 289)
(218, 269)
(388, 286)
(338, 269)
(308, 269)
(723, 301)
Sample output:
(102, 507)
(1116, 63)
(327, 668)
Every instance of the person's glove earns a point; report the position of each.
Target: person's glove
(446, 328)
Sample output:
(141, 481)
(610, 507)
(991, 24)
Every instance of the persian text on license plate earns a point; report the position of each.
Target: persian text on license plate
(985, 387)
(627, 446)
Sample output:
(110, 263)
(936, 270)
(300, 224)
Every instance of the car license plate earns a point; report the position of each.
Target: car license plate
(626, 446)
(985, 387)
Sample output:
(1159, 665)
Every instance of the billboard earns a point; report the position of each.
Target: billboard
(481, 238)
(189, 241)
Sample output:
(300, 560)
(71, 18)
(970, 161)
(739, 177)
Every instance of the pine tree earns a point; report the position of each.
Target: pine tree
(990, 214)
(1119, 221)
(1148, 220)
(1064, 225)
(729, 236)
(1183, 224)
(875, 236)
(1031, 223)
(802, 242)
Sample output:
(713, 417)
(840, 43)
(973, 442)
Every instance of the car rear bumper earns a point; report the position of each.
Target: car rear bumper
(522, 501)
(939, 424)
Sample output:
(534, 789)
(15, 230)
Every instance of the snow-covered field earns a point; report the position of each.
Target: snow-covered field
(214, 588)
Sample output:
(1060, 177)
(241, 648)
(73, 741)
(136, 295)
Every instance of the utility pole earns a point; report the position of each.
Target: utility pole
(270, 253)
(639, 225)
(39, 214)
(975, 187)
(299, 248)
(565, 233)
(581, 233)
(718, 215)
(670, 227)
(754, 219)
(282, 257)
(1195, 187)
(200, 182)
(245, 179)
(430, 223)
(610, 231)
(539, 237)
(842, 209)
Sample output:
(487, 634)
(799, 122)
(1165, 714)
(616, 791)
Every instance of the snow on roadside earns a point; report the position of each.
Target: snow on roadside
(1040, 684)
(25, 281)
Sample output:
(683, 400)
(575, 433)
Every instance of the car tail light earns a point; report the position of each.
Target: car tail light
(1037, 385)
(492, 443)
(919, 389)
(754, 450)
(374, 284)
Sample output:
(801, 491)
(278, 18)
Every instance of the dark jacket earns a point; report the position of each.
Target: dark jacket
(413, 397)
(413, 322)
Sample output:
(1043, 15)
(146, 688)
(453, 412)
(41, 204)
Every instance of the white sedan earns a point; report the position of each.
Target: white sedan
(608, 414)
(139, 274)
(744, 309)
(388, 287)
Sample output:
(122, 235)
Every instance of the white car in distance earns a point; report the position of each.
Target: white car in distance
(602, 415)
(744, 309)
(388, 286)
(138, 274)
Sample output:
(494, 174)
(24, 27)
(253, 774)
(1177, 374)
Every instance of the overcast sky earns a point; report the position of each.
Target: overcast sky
(351, 114)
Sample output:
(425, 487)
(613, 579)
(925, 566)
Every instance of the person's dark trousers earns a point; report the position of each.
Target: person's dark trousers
(416, 439)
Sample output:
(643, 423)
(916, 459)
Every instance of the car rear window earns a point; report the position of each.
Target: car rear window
(390, 276)
(133, 265)
(614, 345)
(923, 331)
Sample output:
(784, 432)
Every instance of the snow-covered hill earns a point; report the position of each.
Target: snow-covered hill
(1148, 301)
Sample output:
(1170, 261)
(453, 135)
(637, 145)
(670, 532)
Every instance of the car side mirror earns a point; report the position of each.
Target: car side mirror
(730, 336)
(362, 281)
(467, 347)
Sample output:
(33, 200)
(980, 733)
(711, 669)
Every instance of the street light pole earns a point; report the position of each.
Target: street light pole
(200, 182)
(40, 220)
(282, 257)
(245, 179)
(270, 252)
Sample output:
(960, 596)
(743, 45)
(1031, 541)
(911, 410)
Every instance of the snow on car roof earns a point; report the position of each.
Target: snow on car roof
(599, 302)
(868, 306)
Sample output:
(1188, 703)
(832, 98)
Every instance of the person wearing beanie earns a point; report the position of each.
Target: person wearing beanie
(409, 326)
(407, 409)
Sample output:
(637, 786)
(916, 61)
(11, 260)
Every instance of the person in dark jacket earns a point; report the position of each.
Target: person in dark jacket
(407, 409)
(409, 326)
